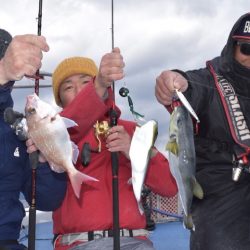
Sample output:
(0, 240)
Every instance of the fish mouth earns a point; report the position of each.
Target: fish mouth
(32, 98)
(31, 103)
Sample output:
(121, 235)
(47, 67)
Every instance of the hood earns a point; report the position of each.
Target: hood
(5, 39)
(5, 90)
(227, 64)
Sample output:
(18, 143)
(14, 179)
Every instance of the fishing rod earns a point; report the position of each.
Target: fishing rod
(114, 158)
(112, 38)
(29, 86)
(33, 157)
(42, 74)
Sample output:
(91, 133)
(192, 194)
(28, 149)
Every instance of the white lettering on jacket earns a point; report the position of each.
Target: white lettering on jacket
(247, 27)
(16, 152)
(239, 118)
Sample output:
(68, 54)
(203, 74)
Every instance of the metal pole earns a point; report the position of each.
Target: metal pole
(112, 38)
(115, 188)
(114, 160)
(34, 161)
(32, 210)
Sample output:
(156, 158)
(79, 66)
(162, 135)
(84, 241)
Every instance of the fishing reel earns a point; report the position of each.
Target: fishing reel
(17, 122)
(240, 166)
(101, 130)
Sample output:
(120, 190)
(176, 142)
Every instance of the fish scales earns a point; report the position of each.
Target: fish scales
(48, 130)
(183, 160)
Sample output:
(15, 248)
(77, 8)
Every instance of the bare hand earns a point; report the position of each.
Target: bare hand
(118, 140)
(111, 69)
(166, 84)
(22, 57)
(31, 147)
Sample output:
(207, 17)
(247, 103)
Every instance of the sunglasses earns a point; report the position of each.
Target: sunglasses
(244, 47)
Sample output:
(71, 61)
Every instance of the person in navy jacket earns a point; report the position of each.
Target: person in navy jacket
(18, 57)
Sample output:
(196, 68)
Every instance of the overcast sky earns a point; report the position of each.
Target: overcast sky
(153, 35)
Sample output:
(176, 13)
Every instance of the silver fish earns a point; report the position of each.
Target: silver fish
(183, 160)
(140, 148)
(48, 130)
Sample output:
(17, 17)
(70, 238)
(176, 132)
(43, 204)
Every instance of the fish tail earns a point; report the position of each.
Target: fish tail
(197, 189)
(188, 222)
(76, 179)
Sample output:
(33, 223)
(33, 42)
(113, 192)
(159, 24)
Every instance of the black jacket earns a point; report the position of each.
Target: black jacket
(222, 218)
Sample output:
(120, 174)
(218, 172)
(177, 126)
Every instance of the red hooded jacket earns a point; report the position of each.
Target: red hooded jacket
(93, 210)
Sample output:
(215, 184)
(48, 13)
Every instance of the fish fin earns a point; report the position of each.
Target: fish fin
(172, 146)
(75, 152)
(140, 207)
(77, 178)
(56, 168)
(188, 222)
(57, 108)
(68, 122)
(197, 189)
(130, 181)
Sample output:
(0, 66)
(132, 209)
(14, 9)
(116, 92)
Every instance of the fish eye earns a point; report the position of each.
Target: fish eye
(31, 111)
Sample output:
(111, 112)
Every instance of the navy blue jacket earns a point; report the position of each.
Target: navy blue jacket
(15, 177)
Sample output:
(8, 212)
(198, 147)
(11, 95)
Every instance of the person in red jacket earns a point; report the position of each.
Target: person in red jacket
(85, 95)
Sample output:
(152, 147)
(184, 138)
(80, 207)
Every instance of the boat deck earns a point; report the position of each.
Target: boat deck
(166, 236)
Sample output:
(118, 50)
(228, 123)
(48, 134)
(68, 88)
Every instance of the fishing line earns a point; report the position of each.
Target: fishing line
(214, 88)
(124, 92)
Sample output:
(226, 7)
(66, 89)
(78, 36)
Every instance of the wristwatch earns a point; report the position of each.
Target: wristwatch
(5, 39)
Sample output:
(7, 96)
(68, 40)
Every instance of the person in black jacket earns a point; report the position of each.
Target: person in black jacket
(18, 57)
(220, 95)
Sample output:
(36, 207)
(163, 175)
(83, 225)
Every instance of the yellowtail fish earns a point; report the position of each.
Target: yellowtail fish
(48, 130)
(140, 151)
(182, 160)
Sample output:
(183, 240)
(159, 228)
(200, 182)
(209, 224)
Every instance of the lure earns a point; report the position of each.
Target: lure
(186, 104)
(124, 92)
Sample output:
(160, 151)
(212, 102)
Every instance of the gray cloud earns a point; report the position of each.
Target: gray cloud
(152, 35)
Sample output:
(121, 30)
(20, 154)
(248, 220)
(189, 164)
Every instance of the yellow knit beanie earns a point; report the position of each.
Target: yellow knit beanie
(69, 67)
